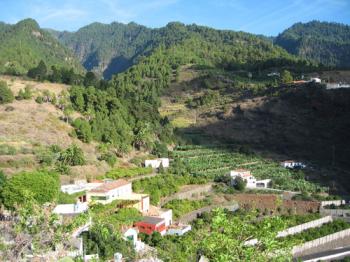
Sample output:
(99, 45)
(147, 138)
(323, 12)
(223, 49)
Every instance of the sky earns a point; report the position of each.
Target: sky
(268, 17)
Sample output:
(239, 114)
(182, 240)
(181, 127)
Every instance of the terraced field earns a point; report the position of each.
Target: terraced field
(214, 161)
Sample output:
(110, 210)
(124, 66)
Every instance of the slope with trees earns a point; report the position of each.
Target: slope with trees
(327, 43)
(24, 44)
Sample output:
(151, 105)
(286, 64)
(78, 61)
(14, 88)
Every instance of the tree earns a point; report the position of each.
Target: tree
(6, 95)
(38, 72)
(90, 79)
(224, 243)
(83, 130)
(72, 156)
(3, 180)
(40, 186)
(26, 94)
(240, 184)
(286, 77)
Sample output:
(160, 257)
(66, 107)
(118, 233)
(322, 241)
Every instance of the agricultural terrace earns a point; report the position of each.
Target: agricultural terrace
(211, 162)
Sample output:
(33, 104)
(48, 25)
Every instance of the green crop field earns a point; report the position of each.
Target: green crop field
(214, 161)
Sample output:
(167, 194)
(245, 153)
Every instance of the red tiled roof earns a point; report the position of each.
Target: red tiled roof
(108, 186)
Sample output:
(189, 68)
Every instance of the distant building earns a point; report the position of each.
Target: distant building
(80, 186)
(178, 229)
(148, 225)
(120, 189)
(250, 180)
(131, 234)
(166, 214)
(71, 209)
(292, 164)
(315, 80)
(156, 163)
(299, 82)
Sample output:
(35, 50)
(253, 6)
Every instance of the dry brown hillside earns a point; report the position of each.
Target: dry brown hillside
(27, 125)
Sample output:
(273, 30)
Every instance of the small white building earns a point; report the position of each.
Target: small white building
(292, 164)
(80, 186)
(120, 189)
(131, 234)
(315, 80)
(166, 214)
(247, 177)
(156, 163)
(109, 191)
(178, 229)
(71, 209)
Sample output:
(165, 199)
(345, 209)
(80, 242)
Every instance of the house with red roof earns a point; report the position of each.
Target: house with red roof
(148, 225)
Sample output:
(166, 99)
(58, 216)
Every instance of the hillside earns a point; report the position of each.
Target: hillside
(108, 49)
(302, 122)
(29, 128)
(24, 44)
(327, 43)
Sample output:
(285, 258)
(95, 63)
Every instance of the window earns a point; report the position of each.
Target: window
(99, 197)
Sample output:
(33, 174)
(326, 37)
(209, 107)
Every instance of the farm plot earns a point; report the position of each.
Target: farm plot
(216, 161)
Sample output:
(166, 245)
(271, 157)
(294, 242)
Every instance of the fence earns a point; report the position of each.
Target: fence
(299, 228)
(333, 202)
(299, 250)
(296, 229)
(335, 212)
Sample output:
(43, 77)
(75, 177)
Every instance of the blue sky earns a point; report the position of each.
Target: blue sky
(268, 17)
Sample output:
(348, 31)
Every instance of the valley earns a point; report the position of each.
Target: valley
(177, 143)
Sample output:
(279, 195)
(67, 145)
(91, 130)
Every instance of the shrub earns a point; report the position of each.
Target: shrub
(41, 186)
(6, 95)
(24, 94)
(39, 100)
(72, 156)
(110, 158)
(240, 184)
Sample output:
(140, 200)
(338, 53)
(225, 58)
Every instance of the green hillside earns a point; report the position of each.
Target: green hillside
(109, 49)
(24, 44)
(328, 43)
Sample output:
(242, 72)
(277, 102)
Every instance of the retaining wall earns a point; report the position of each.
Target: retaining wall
(301, 249)
(299, 228)
(333, 202)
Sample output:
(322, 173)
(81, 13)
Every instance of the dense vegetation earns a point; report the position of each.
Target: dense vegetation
(214, 162)
(184, 206)
(39, 186)
(120, 46)
(328, 43)
(24, 44)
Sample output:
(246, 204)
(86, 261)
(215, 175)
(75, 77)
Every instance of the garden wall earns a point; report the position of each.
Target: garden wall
(333, 202)
(302, 249)
(299, 228)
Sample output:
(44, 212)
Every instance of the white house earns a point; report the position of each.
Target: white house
(166, 214)
(80, 186)
(109, 191)
(178, 229)
(315, 80)
(120, 189)
(292, 164)
(155, 163)
(250, 180)
(71, 209)
(131, 234)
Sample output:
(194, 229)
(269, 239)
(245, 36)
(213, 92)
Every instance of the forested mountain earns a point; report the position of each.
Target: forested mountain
(108, 49)
(328, 43)
(24, 45)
